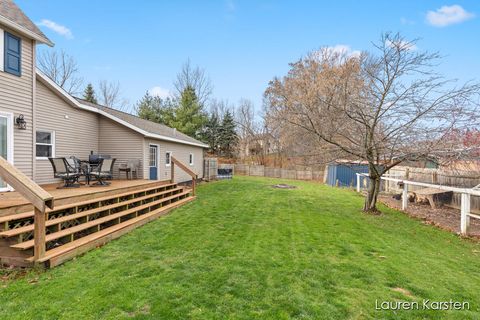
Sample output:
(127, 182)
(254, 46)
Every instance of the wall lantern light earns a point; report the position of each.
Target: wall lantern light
(20, 122)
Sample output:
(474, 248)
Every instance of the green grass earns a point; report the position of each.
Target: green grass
(244, 250)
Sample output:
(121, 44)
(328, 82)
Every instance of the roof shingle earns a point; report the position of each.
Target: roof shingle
(146, 125)
(10, 11)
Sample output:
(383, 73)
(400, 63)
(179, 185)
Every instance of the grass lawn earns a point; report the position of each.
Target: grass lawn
(244, 250)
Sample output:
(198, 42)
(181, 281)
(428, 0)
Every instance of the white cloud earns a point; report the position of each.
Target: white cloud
(57, 28)
(448, 15)
(343, 49)
(159, 92)
(402, 44)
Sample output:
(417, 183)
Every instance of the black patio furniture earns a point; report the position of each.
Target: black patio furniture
(102, 172)
(64, 170)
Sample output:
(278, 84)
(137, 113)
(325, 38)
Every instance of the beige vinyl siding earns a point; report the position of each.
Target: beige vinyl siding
(16, 96)
(76, 131)
(121, 143)
(181, 152)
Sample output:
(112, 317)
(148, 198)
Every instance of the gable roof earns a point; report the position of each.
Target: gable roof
(146, 125)
(12, 16)
(146, 128)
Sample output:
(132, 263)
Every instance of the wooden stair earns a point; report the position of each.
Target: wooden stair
(72, 229)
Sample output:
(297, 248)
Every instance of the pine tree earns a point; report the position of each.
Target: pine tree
(228, 136)
(184, 113)
(156, 109)
(89, 94)
(189, 116)
(211, 133)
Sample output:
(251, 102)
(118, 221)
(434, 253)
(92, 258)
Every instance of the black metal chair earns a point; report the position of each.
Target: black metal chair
(63, 170)
(103, 172)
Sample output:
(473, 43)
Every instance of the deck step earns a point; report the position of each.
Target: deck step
(30, 214)
(69, 231)
(76, 247)
(17, 231)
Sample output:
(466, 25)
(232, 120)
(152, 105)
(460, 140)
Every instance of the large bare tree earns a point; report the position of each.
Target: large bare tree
(195, 78)
(110, 95)
(382, 107)
(62, 69)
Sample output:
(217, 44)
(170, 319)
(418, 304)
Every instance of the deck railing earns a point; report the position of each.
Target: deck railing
(38, 197)
(184, 168)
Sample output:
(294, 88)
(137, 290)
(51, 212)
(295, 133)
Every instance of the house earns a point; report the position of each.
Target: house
(38, 119)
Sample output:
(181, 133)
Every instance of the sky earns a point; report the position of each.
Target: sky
(242, 45)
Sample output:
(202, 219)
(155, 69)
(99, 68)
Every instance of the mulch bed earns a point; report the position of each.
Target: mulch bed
(445, 218)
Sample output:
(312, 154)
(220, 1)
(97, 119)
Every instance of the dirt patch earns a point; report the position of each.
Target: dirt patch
(403, 291)
(444, 217)
(283, 186)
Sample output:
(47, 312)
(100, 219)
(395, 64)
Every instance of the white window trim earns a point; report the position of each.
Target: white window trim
(193, 159)
(10, 142)
(169, 158)
(2, 48)
(157, 154)
(45, 144)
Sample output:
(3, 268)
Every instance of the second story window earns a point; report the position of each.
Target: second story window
(12, 54)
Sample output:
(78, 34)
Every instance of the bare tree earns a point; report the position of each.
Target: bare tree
(382, 108)
(110, 95)
(196, 78)
(62, 69)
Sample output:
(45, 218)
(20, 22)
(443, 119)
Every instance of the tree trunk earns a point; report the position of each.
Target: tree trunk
(372, 194)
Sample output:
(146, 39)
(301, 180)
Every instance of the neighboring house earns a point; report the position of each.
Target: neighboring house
(259, 144)
(56, 124)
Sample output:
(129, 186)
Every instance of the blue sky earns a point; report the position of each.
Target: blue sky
(243, 44)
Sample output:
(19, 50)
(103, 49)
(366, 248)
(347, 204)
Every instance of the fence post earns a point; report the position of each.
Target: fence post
(358, 182)
(405, 196)
(465, 210)
(172, 171)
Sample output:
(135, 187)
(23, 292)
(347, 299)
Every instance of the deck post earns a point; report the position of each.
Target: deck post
(172, 171)
(465, 211)
(194, 182)
(405, 196)
(358, 182)
(39, 235)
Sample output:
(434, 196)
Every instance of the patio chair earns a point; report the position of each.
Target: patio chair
(103, 172)
(131, 167)
(63, 170)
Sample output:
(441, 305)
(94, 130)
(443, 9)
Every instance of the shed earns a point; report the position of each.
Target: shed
(345, 173)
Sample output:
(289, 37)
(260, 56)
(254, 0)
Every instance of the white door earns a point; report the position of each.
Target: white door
(6, 142)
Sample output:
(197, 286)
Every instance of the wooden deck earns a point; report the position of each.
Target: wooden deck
(14, 202)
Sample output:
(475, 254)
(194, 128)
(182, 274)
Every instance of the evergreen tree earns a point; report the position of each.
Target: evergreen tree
(228, 136)
(156, 109)
(211, 133)
(189, 116)
(184, 113)
(89, 94)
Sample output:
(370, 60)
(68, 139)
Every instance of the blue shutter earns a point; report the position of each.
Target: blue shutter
(12, 54)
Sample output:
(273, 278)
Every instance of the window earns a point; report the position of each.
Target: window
(45, 145)
(153, 156)
(12, 58)
(168, 160)
(190, 159)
